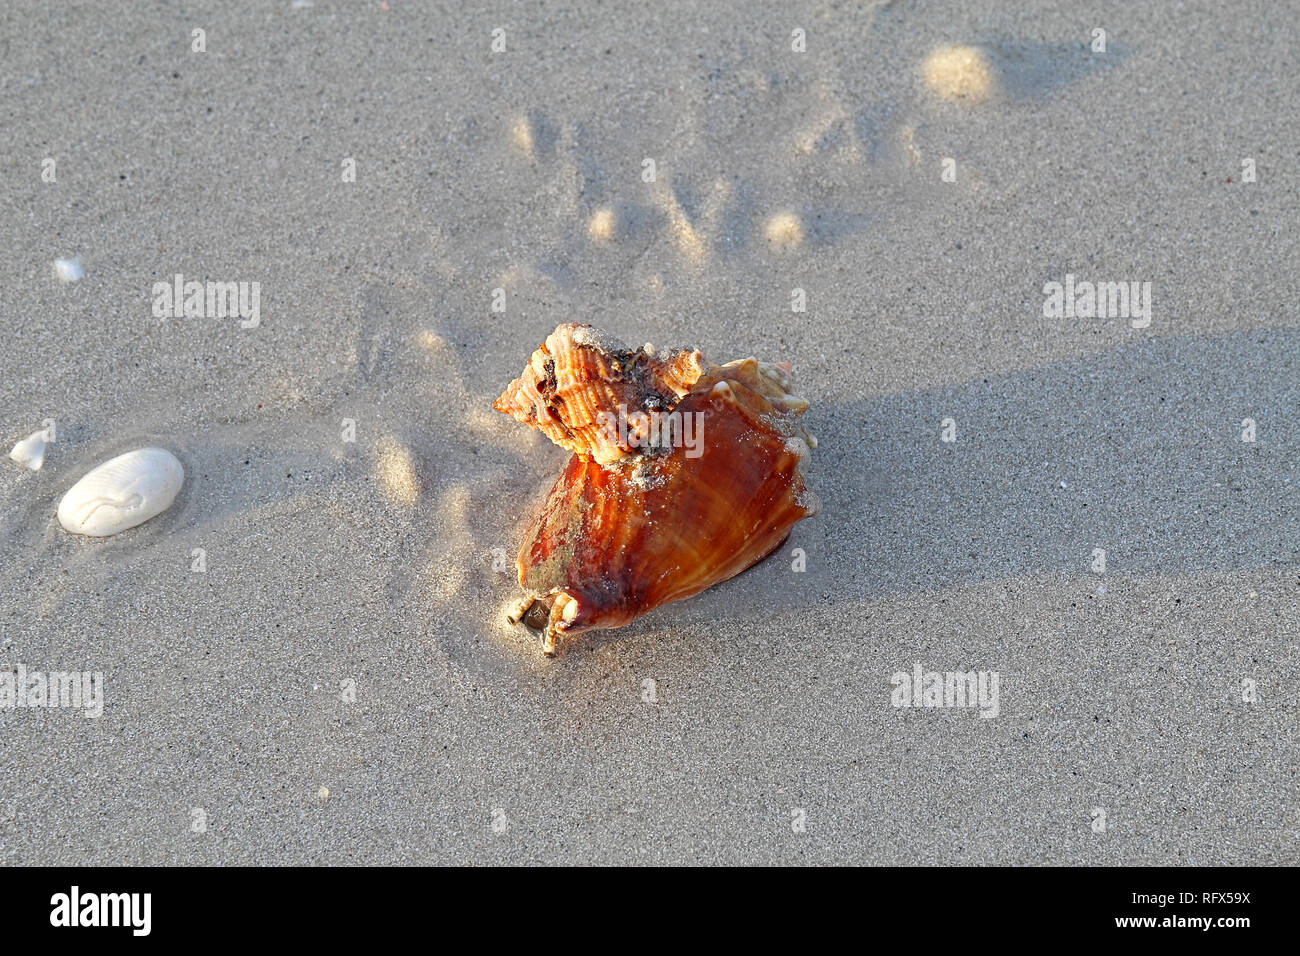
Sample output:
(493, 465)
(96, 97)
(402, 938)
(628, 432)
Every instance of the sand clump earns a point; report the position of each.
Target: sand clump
(521, 134)
(431, 342)
(784, 230)
(959, 74)
(688, 239)
(601, 224)
(396, 471)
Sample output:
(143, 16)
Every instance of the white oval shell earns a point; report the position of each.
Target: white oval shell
(122, 492)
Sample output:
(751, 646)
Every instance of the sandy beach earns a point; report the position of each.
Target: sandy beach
(304, 659)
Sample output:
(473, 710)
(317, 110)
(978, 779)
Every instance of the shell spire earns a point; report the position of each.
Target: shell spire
(580, 378)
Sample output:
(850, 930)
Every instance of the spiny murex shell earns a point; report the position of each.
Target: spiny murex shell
(631, 525)
(122, 492)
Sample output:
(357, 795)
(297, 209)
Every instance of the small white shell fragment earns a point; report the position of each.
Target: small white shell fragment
(30, 452)
(122, 492)
(68, 270)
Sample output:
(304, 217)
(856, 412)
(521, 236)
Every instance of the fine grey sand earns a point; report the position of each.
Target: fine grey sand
(338, 687)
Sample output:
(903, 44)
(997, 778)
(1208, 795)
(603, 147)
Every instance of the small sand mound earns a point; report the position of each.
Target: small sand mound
(395, 469)
(601, 224)
(784, 230)
(689, 241)
(521, 134)
(431, 342)
(959, 74)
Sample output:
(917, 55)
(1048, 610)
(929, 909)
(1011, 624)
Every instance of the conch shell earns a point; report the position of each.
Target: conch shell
(684, 474)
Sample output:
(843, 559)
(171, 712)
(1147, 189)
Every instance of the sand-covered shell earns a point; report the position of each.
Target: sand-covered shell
(579, 372)
(122, 492)
(665, 521)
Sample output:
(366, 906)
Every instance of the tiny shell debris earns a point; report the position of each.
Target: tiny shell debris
(68, 270)
(30, 452)
(122, 492)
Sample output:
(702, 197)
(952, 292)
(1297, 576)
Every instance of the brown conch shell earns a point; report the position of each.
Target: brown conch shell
(703, 479)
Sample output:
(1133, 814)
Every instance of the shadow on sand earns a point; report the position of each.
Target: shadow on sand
(1137, 451)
